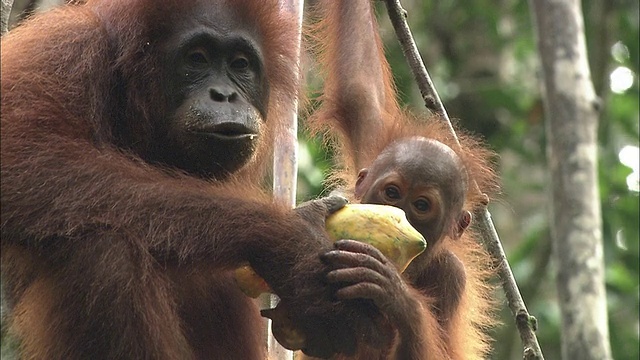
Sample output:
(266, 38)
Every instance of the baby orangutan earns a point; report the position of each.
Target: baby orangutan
(426, 179)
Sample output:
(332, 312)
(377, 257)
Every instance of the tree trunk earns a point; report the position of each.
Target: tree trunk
(571, 127)
(285, 170)
(5, 11)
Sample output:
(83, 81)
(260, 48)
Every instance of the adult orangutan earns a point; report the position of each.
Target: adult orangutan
(134, 135)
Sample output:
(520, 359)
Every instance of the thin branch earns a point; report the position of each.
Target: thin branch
(536, 279)
(525, 323)
(5, 339)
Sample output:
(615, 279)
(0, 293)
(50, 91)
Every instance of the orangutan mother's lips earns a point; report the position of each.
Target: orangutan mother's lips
(228, 131)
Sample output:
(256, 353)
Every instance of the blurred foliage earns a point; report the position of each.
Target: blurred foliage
(483, 60)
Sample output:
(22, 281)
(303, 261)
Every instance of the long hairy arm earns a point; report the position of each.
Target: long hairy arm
(358, 98)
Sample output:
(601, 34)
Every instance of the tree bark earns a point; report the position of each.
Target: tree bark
(5, 11)
(576, 225)
(285, 170)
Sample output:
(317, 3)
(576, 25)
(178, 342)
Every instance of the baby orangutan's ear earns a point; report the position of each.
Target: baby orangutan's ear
(359, 191)
(462, 223)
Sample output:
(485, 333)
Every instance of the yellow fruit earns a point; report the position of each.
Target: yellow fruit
(384, 227)
(283, 329)
(249, 282)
